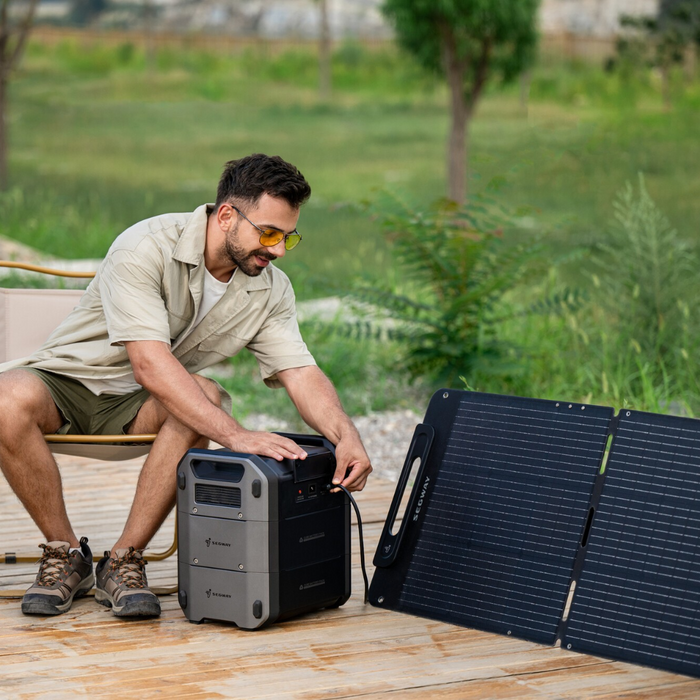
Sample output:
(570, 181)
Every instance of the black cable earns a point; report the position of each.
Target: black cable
(362, 539)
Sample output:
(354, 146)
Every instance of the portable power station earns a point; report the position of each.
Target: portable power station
(261, 540)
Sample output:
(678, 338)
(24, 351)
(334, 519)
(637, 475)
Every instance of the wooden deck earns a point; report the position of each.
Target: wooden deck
(355, 651)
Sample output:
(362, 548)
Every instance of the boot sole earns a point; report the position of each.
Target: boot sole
(141, 608)
(45, 607)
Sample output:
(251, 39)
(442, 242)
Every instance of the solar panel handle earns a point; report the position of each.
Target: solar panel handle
(389, 544)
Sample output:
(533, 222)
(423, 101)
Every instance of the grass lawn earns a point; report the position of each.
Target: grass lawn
(98, 142)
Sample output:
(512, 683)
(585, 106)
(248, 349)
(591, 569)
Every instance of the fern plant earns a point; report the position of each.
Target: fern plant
(646, 279)
(458, 267)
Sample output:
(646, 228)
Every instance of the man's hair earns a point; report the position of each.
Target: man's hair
(247, 179)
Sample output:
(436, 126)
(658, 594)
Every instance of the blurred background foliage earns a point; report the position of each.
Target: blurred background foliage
(102, 137)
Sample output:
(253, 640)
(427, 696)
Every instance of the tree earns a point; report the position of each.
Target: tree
(14, 30)
(468, 43)
(662, 40)
(324, 52)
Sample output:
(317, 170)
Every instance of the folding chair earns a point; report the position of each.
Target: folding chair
(18, 338)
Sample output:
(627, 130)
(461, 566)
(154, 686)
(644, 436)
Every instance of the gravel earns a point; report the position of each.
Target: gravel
(386, 437)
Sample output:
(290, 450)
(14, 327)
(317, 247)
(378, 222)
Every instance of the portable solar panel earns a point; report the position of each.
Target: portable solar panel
(497, 513)
(638, 597)
(516, 524)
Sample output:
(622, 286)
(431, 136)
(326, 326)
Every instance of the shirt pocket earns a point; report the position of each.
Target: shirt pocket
(223, 344)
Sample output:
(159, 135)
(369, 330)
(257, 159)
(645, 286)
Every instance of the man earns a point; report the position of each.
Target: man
(175, 294)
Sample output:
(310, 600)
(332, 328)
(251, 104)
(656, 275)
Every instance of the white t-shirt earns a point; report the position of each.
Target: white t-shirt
(212, 292)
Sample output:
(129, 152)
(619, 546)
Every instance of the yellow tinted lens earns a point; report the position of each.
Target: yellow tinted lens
(271, 236)
(292, 240)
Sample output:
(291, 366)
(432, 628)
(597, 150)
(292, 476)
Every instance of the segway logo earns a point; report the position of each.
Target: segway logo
(313, 584)
(309, 538)
(210, 542)
(211, 593)
(423, 492)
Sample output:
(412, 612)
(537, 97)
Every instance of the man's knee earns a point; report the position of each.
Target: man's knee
(210, 389)
(25, 399)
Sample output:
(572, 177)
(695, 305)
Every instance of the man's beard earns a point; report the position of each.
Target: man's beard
(245, 261)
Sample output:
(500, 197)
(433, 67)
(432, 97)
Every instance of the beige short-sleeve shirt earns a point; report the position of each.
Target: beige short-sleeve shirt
(149, 287)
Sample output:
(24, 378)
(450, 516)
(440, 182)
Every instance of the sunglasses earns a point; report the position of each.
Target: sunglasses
(271, 236)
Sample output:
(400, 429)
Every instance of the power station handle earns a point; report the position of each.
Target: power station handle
(390, 543)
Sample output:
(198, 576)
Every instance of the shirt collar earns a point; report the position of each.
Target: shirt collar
(190, 250)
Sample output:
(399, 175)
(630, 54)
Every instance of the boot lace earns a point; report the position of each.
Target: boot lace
(52, 565)
(129, 569)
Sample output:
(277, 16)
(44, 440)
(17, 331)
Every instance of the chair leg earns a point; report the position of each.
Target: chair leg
(12, 558)
(159, 556)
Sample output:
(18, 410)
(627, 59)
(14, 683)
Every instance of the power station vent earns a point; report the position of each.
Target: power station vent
(217, 495)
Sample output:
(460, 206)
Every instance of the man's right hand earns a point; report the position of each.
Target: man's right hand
(169, 383)
(265, 445)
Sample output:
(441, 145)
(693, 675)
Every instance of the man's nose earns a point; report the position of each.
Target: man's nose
(278, 250)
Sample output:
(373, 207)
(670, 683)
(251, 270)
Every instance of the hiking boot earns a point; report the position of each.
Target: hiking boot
(122, 585)
(63, 575)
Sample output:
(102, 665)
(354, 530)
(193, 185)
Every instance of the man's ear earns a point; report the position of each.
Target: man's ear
(226, 217)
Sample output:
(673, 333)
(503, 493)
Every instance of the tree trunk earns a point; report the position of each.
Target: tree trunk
(10, 54)
(457, 142)
(150, 45)
(324, 53)
(666, 86)
(525, 82)
(4, 176)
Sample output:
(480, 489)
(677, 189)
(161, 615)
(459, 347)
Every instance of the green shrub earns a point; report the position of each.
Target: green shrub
(646, 278)
(634, 344)
(458, 268)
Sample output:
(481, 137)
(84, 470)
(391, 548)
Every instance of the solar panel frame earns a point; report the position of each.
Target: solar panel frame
(638, 594)
(493, 564)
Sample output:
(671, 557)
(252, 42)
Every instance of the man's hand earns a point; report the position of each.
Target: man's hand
(353, 463)
(318, 404)
(266, 445)
(178, 392)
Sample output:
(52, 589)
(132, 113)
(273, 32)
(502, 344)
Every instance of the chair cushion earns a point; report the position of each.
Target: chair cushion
(29, 316)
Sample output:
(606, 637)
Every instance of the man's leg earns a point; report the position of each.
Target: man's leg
(156, 487)
(27, 411)
(121, 578)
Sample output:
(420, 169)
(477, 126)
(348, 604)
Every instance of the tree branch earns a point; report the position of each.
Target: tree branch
(482, 72)
(4, 30)
(3, 16)
(454, 68)
(449, 47)
(23, 33)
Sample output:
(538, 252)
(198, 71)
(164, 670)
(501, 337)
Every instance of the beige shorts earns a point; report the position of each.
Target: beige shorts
(86, 414)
